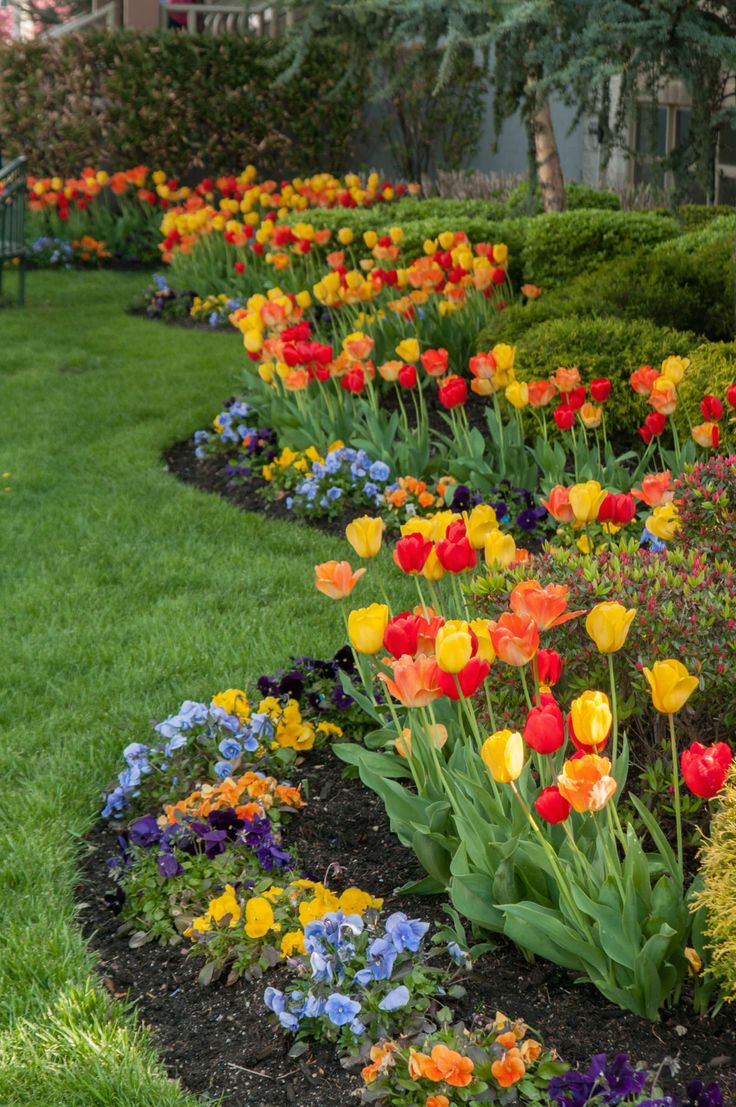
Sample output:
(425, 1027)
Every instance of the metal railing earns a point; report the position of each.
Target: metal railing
(264, 20)
(103, 18)
(13, 191)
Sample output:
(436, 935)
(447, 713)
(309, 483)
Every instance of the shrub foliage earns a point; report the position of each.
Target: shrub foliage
(184, 103)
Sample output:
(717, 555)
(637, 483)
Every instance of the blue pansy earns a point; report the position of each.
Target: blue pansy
(230, 748)
(405, 933)
(340, 1009)
(396, 998)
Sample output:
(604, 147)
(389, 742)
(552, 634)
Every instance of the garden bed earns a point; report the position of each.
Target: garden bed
(219, 1041)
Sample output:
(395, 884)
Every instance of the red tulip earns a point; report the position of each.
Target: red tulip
(564, 417)
(600, 390)
(731, 394)
(575, 398)
(655, 423)
(551, 805)
(402, 634)
(239, 267)
(354, 380)
(549, 667)
(544, 729)
(711, 407)
(411, 552)
(454, 551)
(470, 679)
(408, 376)
(705, 768)
(617, 508)
(453, 392)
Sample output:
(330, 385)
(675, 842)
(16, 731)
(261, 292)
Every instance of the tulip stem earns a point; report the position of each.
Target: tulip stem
(491, 716)
(422, 600)
(526, 687)
(614, 707)
(562, 881)
(676, 786)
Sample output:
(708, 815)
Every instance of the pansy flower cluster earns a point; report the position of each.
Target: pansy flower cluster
(264, 923)
(356, 977)
(310, 484)
(318, 686)
(608, 1083)
(226, 737)
(232, 430)
(214, 309)
(188, 744)
(165, 869)
(493, 1061)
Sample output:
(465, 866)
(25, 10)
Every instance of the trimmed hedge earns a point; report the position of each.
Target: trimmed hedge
(183, 103)
(576, 196)
(688, 290)
(560, 246)
(599, 347)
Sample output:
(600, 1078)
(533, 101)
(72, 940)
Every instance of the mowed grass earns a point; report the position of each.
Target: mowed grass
(123, 592)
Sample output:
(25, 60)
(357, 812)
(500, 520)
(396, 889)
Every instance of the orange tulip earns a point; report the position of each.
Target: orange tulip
(515, 638)
(643, 379)
(414, 682)
(663, 396)
(656, 489)
(509, 1069)
(482, 366)
(567, 379)
(336, 579)
(558, 504)
(546, 606)
(448, 1065)
(585, 782)
(541, 392)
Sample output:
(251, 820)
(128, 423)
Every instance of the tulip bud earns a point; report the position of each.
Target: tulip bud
(365, 535)
(551, 805)
(608, 625)
(367, 626)
(503, 755)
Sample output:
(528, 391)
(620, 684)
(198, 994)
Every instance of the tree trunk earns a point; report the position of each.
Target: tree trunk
(549, 169)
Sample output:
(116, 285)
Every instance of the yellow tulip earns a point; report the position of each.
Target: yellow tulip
(433, 567)
(408, 349)
(674, 368)
(479, 524)
(586, 499)
(504, 356)
(370, 238)
(367, 626)
(500, 549)
(365, 535)
(345, 236)
(608, 624)
(482, 632)
(503, 755)
(671, 685)
(591, 718)
(664, 522)
(517, 394)
(303, 299)
(453, 646)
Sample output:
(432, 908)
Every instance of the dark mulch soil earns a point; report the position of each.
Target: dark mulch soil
(219, 1040)
(212, 474)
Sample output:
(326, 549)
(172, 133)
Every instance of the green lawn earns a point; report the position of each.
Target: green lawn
(123, 592)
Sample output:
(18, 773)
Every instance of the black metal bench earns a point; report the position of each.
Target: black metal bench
(13, 192)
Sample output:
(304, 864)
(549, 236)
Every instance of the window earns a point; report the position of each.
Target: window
(651, 144)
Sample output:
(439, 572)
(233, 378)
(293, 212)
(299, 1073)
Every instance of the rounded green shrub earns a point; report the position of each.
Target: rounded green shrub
(561, 246)
(576, 196)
